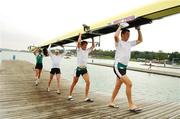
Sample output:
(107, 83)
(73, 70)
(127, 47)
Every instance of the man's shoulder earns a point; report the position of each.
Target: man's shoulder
(78, 49)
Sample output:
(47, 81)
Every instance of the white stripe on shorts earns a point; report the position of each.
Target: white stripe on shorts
(116, 70)
(74, 74)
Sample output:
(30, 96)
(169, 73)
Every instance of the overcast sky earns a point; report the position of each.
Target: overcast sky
(29, 22)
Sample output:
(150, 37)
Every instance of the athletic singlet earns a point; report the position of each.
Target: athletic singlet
(39, 58)
(123, 51)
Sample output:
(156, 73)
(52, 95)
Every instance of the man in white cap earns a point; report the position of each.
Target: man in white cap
(55, 70)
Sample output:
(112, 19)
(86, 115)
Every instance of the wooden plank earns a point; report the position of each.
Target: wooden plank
(21, 99)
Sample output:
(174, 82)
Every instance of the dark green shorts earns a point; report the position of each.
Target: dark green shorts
(120, 69)
(81, 71)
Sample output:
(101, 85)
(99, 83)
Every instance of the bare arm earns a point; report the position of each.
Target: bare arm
(93, 44)
(116, 36)
(49, 47)
(35, 51)
(140, 38)
(49, 50)
(64, 51)
(79, 41)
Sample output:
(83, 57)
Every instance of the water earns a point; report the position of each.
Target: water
(145, 85)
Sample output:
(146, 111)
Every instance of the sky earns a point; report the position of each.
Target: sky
(31, 22)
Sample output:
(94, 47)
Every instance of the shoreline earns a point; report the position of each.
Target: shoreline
(166, 73)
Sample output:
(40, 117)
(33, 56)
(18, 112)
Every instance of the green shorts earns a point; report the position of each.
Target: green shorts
(80, 71)
(120, 69)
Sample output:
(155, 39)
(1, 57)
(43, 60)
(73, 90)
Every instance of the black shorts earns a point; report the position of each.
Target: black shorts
(39, 66)
(81, 71)
(55, 71)
(119, 72)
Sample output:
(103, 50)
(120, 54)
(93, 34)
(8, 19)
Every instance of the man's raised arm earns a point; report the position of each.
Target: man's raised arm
(79, 41)
(116, 36)
(140, 38)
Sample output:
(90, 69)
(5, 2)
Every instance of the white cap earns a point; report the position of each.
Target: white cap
(56, 50)
(124, 24)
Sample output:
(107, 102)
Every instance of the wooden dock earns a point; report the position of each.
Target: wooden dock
(21, 99)
(166, 73)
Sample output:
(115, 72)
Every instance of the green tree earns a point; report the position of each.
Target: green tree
(174, 55)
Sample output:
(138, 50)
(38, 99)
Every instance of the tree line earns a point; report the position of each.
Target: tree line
(140, 55)
(135, 55)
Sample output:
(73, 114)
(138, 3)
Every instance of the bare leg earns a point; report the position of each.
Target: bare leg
(39, 73)
(50, 79)
(128, 84)
(36, 73)
(75, 80)
(116, 90)
(86, 78)
(37, 76)
(58, 81)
